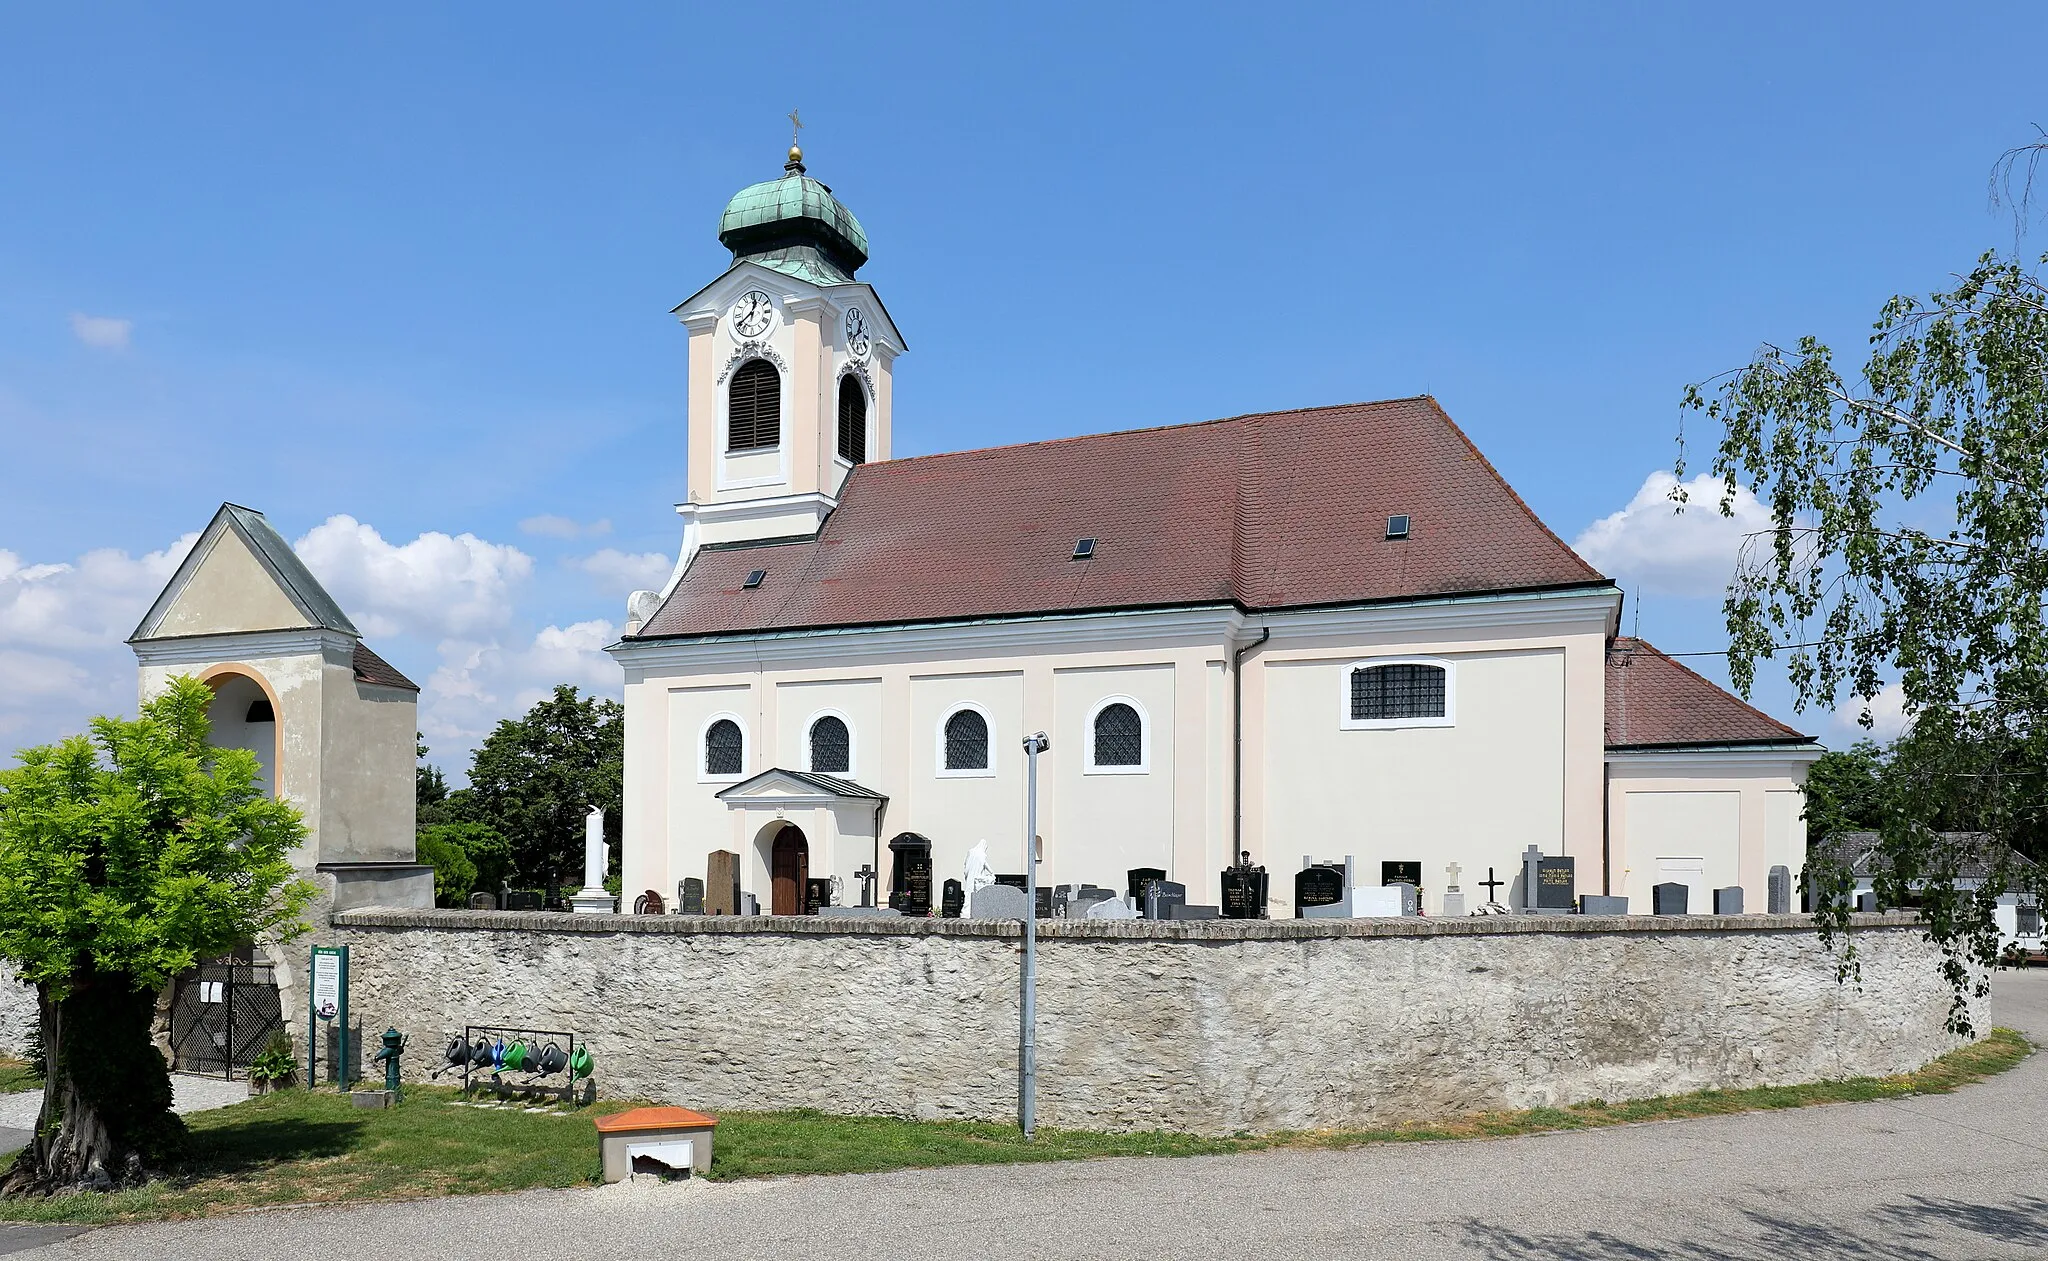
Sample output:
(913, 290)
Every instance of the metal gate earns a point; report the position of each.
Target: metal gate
(222, 1016)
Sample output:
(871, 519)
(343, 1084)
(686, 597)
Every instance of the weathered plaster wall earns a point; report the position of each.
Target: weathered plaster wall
(1210, 1027)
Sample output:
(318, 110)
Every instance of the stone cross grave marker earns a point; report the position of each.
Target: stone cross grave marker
(1454, 897)
(1530, 857)
(1778, 894)
(722, 883)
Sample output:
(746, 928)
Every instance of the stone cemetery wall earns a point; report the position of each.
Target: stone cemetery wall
(17, 1012)
(1209, 1026)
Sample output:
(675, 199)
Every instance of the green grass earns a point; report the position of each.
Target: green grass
(16, 1075)
(300, 1146)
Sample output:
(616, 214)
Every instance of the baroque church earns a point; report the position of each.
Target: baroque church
(1392, 659)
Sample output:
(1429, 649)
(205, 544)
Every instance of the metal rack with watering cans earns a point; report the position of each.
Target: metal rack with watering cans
(489, 1054)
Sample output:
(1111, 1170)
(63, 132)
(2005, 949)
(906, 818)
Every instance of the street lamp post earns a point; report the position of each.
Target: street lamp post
(1027, 1015)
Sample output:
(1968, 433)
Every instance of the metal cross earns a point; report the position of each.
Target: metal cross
(1490, 884)
(866, 875)
(796, 125)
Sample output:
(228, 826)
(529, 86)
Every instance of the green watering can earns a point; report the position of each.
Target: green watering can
(580, 1062)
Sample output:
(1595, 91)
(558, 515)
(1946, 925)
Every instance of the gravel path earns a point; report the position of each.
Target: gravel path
(1951, 1176)
(189, 1093)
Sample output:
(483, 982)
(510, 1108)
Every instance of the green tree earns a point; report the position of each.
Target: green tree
(474, 849)
(536, 776)
(1907, 549)
(126, 858)
(1843, 791)
(454, 873)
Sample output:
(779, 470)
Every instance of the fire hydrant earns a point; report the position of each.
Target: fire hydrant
(394, 1045)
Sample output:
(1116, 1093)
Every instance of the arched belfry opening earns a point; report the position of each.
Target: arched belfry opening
(244, 715)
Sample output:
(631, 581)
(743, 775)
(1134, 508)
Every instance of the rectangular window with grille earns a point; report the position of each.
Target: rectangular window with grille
(1405, 690)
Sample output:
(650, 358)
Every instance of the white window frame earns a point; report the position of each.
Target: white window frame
(939, 744)
(780, 450)
(852, 743)
(1144, 766)
(703, 754)
(1345, 722)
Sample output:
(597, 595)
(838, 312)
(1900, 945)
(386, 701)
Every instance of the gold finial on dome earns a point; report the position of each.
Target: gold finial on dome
(796, 154)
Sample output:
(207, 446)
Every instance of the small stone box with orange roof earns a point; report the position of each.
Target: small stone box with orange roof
(662, 1141)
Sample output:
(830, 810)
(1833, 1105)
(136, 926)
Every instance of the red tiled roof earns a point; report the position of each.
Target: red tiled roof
(1272, 511)
(1652, 701)
(371, 668)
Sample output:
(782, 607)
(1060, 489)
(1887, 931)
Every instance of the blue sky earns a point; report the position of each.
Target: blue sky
(401, 280)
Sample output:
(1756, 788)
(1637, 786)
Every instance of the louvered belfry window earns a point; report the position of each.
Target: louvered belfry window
(1119, 736)
(722, 748)
(1397, 691)
(755, 412)
(853, 421)
(966, 742)
(831, 746)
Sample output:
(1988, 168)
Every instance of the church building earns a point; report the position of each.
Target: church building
(1313, 633)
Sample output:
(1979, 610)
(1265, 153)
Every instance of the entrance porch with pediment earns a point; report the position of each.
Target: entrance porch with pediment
(790, 827)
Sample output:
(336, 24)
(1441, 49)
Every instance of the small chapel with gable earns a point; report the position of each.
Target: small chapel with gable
(1391, 659)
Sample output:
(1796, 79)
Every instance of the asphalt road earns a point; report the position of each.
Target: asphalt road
(1954, 1176)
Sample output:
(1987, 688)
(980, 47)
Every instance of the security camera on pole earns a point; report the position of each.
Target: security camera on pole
(1027, 1032)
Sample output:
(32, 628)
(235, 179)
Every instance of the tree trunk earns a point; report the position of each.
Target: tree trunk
(106, 1119)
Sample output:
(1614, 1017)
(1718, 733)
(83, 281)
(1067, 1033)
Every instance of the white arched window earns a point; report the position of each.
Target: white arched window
(1118, 738)
(1398, 692)
(967, 746)
(722, 749)
(829, 744)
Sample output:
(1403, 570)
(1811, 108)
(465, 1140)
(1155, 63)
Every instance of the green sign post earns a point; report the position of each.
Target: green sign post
(327, 999)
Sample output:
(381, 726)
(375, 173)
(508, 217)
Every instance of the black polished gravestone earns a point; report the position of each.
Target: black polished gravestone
(1162, 897)
(523, 900)
(817, 894)
(1557, 884)
(910, 876)
(1244, 890)
(1044, 901)
(1401, 872)
(1317, 886)
(1139, 878)
(952, 900)
(1015, 882)
(691, 896)
(1667, 899)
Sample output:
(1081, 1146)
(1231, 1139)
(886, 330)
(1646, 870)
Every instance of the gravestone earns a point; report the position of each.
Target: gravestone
(1866, 901)
(817, 894)
(1530, 857)
(691, 896)
(1134, 890)
(952, 900)
(649, 903)
(1185, 911)
(1318, 885)
(1778, 893)
(1728, 901)
(1111, 907)
(1015, 882)
(722, 883)
(1668, 899)
(1601, 904)
(910, 874)
(1084, 899)
(523, 900)
(1556, 884)
(1161, 896)
(999, 901)
(483, 901)
(1044, 902)
(1244, 889)
(1402, 872)
(1411, 897)
(1454, 897)
(749, 904)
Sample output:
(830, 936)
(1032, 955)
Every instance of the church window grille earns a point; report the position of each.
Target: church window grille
(966, 741)
(754, 407)
(831, 746)
(1398, 691)
(853, 421)
(723, 746)
(1119, 736)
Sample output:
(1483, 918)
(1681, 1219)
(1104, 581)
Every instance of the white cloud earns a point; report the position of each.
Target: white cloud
(436, 586)
(1887, 710)
(628, 571)
(478, 683)
(101, 332)
(1654, 546)
(547, 525)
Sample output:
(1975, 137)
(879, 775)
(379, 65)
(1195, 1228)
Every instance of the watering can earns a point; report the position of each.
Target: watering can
(455, 1056)
(549, 1061)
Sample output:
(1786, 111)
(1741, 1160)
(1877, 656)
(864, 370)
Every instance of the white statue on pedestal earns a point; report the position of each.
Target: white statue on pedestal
(592, 899)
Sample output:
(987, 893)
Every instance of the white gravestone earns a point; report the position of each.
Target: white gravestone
(1454, 897)
(1111, 908)
(592, 898)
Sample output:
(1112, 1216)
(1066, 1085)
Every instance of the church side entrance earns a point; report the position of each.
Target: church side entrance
(790, 871)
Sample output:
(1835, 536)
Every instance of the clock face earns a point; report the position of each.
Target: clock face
(857, 339)
(752, 314)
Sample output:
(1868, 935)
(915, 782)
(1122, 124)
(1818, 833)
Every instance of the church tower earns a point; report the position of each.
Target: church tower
(790, 362)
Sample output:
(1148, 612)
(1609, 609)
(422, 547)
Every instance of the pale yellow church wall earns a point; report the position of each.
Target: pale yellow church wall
(756, 465)
(228, 593)
(804, 395)
(1739, 819)
(857, 702)
(1110, 821)
(958, 809)
(1475, 792)
(702, 394)
(691, 817)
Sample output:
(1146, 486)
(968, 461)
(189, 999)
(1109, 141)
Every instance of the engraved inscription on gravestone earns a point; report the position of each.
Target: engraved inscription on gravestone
(1244, 890)
(691, 896)
(1317, 886)
(952, 899)
(1401, 872)
(1135, 889)
(910, 880)
(1162, 896)
(817, 894)
(1556, 884)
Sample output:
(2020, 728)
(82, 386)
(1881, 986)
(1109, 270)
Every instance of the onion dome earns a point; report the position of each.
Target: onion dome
(795, 226)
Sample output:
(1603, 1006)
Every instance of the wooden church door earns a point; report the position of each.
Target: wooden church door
(791, 871)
